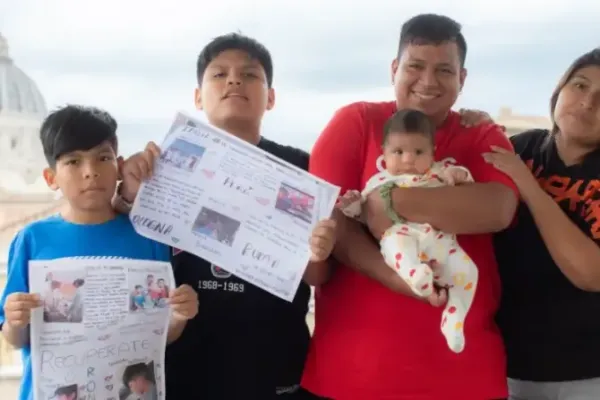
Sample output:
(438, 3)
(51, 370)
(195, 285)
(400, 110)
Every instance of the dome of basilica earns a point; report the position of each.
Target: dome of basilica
(22, 109)
(18, 92)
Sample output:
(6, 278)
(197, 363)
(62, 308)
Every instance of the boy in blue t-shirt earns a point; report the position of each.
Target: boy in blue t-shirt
(80, 145)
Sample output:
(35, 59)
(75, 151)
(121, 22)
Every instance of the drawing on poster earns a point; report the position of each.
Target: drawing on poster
(295, 202)
(183, 155)
(149, 293)
(138, 382)
(63, 297)
(216, 225)
(68, 392)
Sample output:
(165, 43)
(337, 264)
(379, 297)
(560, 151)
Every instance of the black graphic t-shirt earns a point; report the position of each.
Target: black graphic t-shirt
(550, 327)
(245, 343)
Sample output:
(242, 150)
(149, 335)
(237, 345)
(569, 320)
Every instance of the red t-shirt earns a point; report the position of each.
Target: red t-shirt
(370, 343)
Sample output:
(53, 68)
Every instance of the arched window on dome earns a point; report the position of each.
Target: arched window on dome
(14, 98)
(13, 143)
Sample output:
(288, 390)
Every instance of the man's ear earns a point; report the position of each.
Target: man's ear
(395, 65)
(120, 163)
(270, 99)
(50, 178)
(198, 98)
(463, 77)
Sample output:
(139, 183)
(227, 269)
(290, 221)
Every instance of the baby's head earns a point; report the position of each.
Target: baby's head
(408, 143)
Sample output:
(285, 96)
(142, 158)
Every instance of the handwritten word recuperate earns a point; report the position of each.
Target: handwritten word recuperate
(50, 362)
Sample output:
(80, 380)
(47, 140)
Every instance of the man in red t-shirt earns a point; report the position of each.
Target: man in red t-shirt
(373, 340)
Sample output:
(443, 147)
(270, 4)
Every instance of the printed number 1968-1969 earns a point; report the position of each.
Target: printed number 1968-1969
(224, 286)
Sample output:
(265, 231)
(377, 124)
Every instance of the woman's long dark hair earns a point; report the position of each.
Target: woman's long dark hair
(587, 59)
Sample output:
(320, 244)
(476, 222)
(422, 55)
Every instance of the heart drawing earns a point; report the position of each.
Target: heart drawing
(262, 201)
(175, 240)
(208, 173)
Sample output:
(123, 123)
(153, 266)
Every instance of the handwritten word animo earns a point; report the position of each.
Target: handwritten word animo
(265, 258)
(51, 362)
(231, 184)
(579, 196)
(203, 134)
(152, 224)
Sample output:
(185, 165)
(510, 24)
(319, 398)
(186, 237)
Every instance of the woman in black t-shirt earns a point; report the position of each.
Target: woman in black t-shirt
(549, 259)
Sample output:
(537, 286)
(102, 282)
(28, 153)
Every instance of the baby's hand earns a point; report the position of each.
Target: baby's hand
(350, 203)
(17, 308)
(184, 302)
(455, 176)
(350, 197)
(322, 240)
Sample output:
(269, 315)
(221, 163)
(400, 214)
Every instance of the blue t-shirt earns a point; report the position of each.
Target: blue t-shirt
(53, 238)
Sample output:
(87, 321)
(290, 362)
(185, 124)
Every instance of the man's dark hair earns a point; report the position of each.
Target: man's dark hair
(76, 128)
(409, 121)
(432, 29)
(66, 390)
(235, 41)
(133, 371)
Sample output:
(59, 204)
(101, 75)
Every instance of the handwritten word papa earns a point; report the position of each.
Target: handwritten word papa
(51, 362)
(265, 258)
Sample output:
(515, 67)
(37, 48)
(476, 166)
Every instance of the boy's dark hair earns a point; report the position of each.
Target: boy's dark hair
(133, 371)
(66, 390)
(78, 282)
(235, 41)
(408, 121)
(76, 128)
(432, 29)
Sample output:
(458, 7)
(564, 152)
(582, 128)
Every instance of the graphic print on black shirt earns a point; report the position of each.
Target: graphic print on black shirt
(550, 327)
(244, 343)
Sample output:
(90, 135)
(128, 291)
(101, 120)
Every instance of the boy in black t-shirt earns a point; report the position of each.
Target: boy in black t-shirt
(244, 343)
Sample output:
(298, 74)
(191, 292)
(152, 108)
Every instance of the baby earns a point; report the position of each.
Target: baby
(408, 156)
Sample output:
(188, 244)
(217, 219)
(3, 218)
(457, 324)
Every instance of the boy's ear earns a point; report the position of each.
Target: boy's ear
(50, 178)
(120, 163)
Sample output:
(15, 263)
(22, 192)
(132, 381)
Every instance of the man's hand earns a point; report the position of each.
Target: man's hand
(322, 240)
(438, 298)
(455, 176)
(184, 303)
(470, 118)
(137, 168)
(17, 309)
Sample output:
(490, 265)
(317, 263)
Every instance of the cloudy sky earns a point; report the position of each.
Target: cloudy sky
(137, 59)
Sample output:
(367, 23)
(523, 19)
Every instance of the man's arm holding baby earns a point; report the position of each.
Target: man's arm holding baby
(482, 207)
(337, 157)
